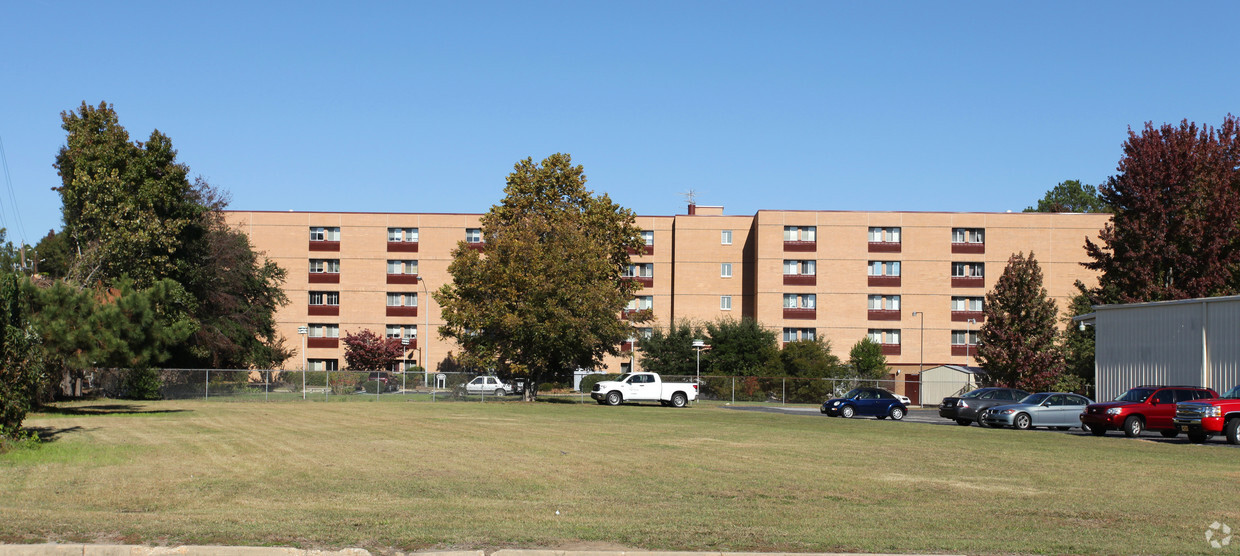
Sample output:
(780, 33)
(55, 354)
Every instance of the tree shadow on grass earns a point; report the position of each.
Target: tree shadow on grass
(106, 409)
(50, 434)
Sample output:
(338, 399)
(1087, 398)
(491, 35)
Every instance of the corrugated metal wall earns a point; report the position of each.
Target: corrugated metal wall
(1148, 344)
(1223, 339)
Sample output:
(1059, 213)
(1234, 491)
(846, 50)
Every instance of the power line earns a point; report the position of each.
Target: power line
(8, 182)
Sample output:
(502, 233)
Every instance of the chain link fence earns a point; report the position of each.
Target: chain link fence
(282, 385)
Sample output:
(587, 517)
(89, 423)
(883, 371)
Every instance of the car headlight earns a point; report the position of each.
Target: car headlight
(1114, 411)
(833, 404)
(1008, 411)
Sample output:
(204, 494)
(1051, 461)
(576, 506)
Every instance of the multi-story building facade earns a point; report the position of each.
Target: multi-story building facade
(913, 281)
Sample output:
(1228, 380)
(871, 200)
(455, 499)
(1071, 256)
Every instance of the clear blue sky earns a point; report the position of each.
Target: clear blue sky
(424, 107)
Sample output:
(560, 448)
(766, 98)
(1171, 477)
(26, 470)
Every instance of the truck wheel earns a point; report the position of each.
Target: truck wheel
(847, 412)
(613, 398)
(1197, 437)
(1232, 430)
(1133, 427)
(897, 413)
(679, 399)
(1171, 433)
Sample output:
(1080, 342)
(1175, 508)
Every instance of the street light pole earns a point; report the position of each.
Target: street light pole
(426, 349)
(302, 330)
(698, 345)
(632, 355)
(968, 333)
(404, 346)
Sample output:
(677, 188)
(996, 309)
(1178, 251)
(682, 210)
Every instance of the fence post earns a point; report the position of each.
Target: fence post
(206, 386)
(784, 394)
(733, 390)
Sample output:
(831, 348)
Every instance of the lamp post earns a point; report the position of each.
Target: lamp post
(632, 354)
(698, 345)
(302, 330)
(426, 349)
(404, 346)
(922, 362)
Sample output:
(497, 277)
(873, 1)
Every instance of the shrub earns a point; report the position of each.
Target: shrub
(588, 381)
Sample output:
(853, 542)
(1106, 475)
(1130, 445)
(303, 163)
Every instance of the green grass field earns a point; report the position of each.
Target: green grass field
(409, 476)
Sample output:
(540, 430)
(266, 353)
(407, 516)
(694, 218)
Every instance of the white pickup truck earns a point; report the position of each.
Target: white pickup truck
(644, 387)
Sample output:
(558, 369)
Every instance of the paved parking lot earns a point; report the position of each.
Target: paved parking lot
(928, 416)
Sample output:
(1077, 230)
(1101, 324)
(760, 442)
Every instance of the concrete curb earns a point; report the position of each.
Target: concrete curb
(135, 550)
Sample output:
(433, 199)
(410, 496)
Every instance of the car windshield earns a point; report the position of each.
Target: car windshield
(1034, 399)
(974, 394)
(1137, 395)
(853, 393)
(1234, 394)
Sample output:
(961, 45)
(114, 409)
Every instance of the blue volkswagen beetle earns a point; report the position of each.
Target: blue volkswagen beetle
(873, 402)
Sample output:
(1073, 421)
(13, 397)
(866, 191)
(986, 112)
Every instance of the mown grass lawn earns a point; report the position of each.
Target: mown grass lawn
(409, 476)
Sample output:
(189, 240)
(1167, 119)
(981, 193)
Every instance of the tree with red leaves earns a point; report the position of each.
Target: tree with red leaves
(1017, 342)
(1176, 229)
(366, 351)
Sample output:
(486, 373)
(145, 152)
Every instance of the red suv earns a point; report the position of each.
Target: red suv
(1143, 407)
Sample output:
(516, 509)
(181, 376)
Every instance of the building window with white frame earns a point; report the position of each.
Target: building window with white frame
(322, 365)
(968, 235)
(884, 268)
(968, 270)
(884, 235)
(641, 303)
(725, 237)
(324, 330)
(800, 233)
(799, 300)
(325, 266)
(725, 270)
(800, 268)
(884, 303)
(402, 235)
(794, 334)
(725, 303)
(402, 267)
(402, 299)
(886, 336)
(964, 337)
(967, 304)
(648, 237)
(320, 233)
(325, 298)
(639, 270)
(402, 331)
(473, 235)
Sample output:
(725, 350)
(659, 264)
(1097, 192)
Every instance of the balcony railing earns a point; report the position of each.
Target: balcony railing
(884, 281)
(800, 246)
(969, 248)
(324, 278)
(966, 316)
(402, 246)
(401, 311)
(800, 313)
(884, 314)
(323, 310)
(884, 247)
(402, 278)
(800, 279)
(324, 245)
(968, 282)
(322, 342)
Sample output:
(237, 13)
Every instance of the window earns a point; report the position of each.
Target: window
(403, 235)
(799, 233)
(645, 333)
(641, 303)
(964, 337)
(402, 299)
(324, 330)
(725, 303)
(884, 268)
(968, 270)
(969, 304)
(402, 267)
(639, 270)
(328, 266)
(799, 300)
(725, 270)
(884, 303)
(885, 235)
(884, 336)
(324, 234)
(794, 334)
(325, 298)
(322, 365)
(402, 331)
(648, 237)
(725, 237)
(967, 235)
(473, 235)
(799, 268)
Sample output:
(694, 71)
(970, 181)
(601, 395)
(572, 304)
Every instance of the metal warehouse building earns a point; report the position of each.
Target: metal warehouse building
(1186, 342)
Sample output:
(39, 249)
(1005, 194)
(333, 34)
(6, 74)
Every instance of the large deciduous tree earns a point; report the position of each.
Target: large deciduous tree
(1071, 196)
(130, 211)
(367, 351)
(545, 295)
(1017, 341)
(1176, 229)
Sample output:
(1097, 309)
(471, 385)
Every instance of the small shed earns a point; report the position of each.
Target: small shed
(1188, 342)
(947, 380)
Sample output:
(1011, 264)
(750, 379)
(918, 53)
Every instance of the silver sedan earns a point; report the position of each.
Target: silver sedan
(1045, 409)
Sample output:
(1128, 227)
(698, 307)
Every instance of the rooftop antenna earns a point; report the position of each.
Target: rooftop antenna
(690, 196)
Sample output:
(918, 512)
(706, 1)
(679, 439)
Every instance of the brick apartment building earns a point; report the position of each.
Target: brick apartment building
(836, 275)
